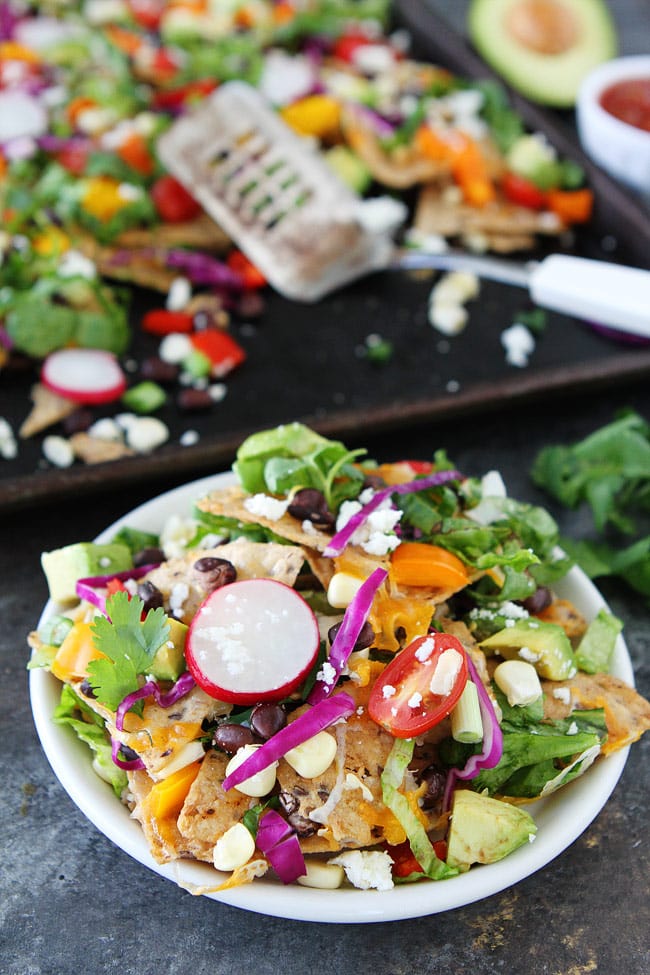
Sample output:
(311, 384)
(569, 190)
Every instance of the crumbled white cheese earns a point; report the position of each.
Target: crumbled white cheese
(376, 533)
(105, 429)
(285, 77)
(446, 672)
(448, 319)
(388, 691)
(217, 392)
(179, 294)
(58, 451)
(129, 192)
(188, 438)
(425, 650)
(179, 593)
(572, 729)
(562, 694)
(366, 869)
(527, 654)
(519, 344)
(327, 674)
(147, 433)
(415, 700)
(8, 443)
(74, 264)
(174, 348)
(264, 506)
(308, 527)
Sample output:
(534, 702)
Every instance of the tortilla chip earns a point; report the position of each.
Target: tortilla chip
(208, 811)
(165, 840)
(202, 233)
(48, 408)
(627, 714)
(252, 560)
(230, 502)
(93, 450)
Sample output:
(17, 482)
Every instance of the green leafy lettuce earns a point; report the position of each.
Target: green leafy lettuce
(89, 728)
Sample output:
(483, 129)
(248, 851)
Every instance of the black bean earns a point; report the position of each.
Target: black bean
(77, 422)
(215, 572)
(194, 400)
(150, 595)
(231, 737)
(87, 689)
(127, 754)
(310, 504)
(148, 556)
(303, 826)
(267, 719)
(435, 780)
(539, 600)
(159, 371)
(251, 304)
(365, 639)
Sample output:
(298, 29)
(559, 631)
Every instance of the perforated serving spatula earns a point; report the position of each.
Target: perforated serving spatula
(303, 228)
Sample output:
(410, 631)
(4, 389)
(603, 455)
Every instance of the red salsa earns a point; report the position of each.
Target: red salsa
(629, 101)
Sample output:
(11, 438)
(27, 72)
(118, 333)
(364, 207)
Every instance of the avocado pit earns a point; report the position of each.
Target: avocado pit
(543, 26)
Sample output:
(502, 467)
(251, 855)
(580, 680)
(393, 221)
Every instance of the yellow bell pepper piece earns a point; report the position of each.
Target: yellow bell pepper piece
(75, 653)
(102, 198)
(51, 241)
(315, 115)
(167, 796)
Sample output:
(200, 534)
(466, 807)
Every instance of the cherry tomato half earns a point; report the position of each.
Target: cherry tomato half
(523, 192)
(172, 201)
(402, 699)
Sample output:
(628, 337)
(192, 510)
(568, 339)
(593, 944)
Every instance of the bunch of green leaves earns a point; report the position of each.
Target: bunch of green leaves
(609, 472)
(129, 644)
(293, 456)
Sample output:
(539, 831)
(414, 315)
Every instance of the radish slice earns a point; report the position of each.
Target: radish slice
(252, 641)
(84, 375)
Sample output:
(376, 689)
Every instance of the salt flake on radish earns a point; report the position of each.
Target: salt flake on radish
(253, 640)
(84, 375)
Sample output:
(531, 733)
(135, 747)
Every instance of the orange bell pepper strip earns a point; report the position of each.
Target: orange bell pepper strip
(77, 106)
(75, 653)
(465, 158)
(166, 797)
(134, 151)
(571, 206)
(13, 51)
(419, 564)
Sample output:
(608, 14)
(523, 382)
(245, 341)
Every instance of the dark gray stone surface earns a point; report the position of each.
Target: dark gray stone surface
(71, 900)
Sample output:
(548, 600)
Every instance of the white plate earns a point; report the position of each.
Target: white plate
(561, 818)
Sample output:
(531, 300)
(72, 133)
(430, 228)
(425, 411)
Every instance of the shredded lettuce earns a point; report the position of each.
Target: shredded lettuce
(391, 780)
(89, 728)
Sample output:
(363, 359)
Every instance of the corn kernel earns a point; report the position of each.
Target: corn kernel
(314, 756)
(234, 848)
(259, 784)
(325, 876)
(519, 682)
(342, 589)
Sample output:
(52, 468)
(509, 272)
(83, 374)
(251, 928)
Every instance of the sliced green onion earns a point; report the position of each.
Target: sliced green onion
(466, 723)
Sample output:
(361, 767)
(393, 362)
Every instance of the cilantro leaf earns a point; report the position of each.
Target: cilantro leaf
(128, 643)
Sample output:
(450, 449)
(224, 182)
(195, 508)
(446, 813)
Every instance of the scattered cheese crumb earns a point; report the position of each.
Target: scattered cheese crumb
(58, 451)
(519, 344)
(265, 506)
(366, 870)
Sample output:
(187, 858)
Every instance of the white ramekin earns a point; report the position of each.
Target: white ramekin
(621, 149)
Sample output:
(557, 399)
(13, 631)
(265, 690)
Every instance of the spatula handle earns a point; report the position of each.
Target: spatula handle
(607, 294)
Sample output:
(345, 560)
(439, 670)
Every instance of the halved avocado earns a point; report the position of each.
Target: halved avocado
(543, 48)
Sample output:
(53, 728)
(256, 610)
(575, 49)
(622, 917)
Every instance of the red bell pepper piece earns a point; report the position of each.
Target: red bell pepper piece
(221, 349)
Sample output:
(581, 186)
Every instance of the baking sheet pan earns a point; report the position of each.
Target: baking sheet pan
(308, 362)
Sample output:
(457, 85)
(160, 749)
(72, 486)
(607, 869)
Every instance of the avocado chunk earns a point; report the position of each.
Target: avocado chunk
(169, 661)
(543, 48)
(544, 645)
(350, 169)
(485, 830)
(64, 566)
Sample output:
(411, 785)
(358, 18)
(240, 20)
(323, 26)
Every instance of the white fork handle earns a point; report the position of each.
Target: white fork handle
(607, 294)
